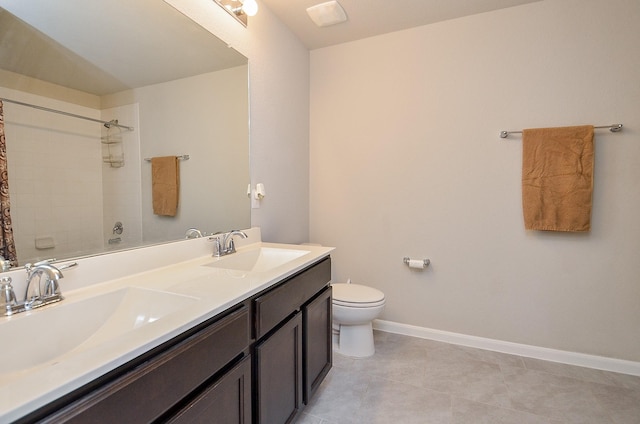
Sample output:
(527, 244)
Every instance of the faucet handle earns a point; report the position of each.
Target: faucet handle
(8, 303)
(232, 246)
(67, 265)
(217, 246)
(44, 262)
(7, 295)
(51, 288)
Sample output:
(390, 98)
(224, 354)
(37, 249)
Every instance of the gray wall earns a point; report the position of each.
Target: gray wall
(406, 161)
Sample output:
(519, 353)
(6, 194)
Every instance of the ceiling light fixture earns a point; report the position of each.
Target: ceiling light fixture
(239, 9)
(326, 14)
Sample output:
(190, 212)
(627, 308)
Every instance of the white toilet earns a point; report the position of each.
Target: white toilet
(354, 308)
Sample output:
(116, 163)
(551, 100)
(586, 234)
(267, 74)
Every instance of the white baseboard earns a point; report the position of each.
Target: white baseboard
(553, 355)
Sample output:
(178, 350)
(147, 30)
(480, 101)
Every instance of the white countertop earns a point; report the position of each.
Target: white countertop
(214, 290)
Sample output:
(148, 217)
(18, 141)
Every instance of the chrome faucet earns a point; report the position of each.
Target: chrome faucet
(43, 288)
(226, 246)
(39, 294)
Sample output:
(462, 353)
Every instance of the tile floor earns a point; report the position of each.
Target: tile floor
(411, 380)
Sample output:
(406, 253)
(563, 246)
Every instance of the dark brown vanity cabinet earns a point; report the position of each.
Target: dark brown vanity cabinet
(227, 401)
(279, 373)
(259, 362)
(188, 372)
(293, 351)
(317, 347)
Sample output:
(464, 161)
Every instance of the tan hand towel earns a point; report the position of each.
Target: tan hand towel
(557, 178)
(165, 185)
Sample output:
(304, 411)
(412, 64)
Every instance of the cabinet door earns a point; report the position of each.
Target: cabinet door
(317, 347)
(279, 374)
(227, 401)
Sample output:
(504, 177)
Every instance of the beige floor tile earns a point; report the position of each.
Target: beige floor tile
(339, 395)
(468, 412)
(467, 378)
(622, 404)
(412, 380)
(305, 418)
(554, 396)
(392, 402)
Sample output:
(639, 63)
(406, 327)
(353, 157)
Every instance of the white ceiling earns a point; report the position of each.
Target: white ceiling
(104, 46)
(367, 18)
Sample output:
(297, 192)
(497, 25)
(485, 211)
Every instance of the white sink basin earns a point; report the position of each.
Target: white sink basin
(258, 260)
(43, 335)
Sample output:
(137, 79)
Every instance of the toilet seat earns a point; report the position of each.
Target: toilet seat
(358, 304)
(357, 296)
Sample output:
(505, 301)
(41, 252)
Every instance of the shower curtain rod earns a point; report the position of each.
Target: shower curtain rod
(108, 124)
(612, 128)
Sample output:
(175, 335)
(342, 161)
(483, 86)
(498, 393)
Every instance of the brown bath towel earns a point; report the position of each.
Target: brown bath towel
(557, 178)
(165, 185)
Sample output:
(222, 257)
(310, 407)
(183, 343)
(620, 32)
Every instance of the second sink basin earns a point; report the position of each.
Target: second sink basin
(48, 333)
(258, 260)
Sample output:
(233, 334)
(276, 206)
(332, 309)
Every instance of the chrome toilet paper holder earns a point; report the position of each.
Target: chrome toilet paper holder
(407, 259)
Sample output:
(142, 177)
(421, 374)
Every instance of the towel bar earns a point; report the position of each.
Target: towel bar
(181, 157)
(612, 128)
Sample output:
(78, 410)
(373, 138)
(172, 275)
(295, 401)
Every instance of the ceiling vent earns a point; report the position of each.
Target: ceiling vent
(327, 14)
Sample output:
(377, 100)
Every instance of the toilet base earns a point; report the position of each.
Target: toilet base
(354, 340)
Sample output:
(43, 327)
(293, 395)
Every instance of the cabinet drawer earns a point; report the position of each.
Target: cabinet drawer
(147, 391)
(277, 304)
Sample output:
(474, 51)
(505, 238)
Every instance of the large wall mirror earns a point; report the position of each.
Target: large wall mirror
(78, 187)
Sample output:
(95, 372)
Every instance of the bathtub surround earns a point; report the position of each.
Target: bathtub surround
(123, 202)
(48, 153)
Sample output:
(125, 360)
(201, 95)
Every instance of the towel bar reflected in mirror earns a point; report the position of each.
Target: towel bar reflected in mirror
(181, 157)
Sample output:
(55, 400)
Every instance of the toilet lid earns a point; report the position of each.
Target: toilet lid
(356, 293)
